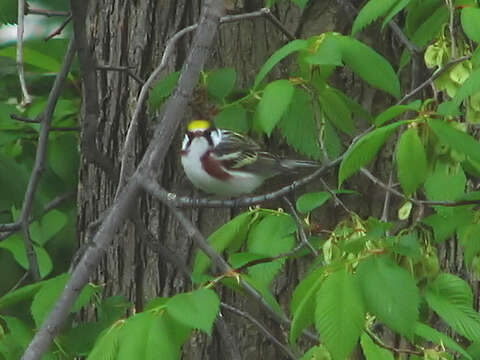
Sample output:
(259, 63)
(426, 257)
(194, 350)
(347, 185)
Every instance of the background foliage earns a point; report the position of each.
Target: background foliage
(369, 271)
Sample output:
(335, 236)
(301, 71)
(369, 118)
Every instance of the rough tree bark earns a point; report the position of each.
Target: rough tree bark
(134, 33)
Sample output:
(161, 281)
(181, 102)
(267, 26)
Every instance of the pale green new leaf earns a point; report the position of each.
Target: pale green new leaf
(411, 161)
(340, 313)
(133, 336)
(280, 54)
(197, 309)
(370, 66)
(452, 299)
(372, 10)
(303, 303)
(273, 105)
(468, 88)
(372, 351)
(396, 304)
(439, 338)
(456, 139)
(364, 150)
(471, 22)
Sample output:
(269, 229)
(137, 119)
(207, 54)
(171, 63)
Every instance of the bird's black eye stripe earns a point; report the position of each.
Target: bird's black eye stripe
(208, 136)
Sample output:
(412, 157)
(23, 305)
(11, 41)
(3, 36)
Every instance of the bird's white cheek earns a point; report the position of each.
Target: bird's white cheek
(185, 143)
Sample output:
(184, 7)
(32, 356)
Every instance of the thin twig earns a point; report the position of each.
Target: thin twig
(127, 69)
(301, 227)
(434, 76)
(44, 12)
(262, 328)
(24, 119)
(386, 202)
(18, 283)
(380, 343)
(413, 48)
(40, 157)
(27, 100)
(59, 30)
(279, 25)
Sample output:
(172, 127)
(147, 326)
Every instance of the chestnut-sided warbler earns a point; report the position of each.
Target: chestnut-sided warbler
(226, 163)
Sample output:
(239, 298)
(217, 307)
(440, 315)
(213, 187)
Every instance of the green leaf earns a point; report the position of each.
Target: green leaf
(63, 157)
(8, 12)
(364, 150)
(233, 118)
(445, 223)
(325, 49)
(13, 344)
(274, 103)
(411, 161)
(456, 139)
(39, 58)
(446, 183)
(470, 18)
(310, 201)
(439, 338)
(50, 224)
(396, 110)
(372, 351)
(106, 346)
(21, 294)
(221, 82)
(452, 299)
(372, 10)
(331, 141)
(340, 313)
(16, 246)
(266, 293)
(370, 66)
(299, 127)
(240, 259)
(47, 296)
(336, 110)
(280, 54)
(408, 245)
(397, 303)
(233, 232)
(399, 6)
(469, 238)
(304, 302)
(301, 3)
(270, 237)
(197, 309)
(163, 90)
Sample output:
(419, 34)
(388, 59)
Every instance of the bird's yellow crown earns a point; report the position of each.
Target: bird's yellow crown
(198, 125)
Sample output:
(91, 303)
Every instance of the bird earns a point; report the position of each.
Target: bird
(229, 164)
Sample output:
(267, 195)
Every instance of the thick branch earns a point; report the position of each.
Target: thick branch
(151, 163)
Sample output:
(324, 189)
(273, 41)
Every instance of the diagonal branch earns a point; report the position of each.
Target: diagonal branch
(150, 164)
